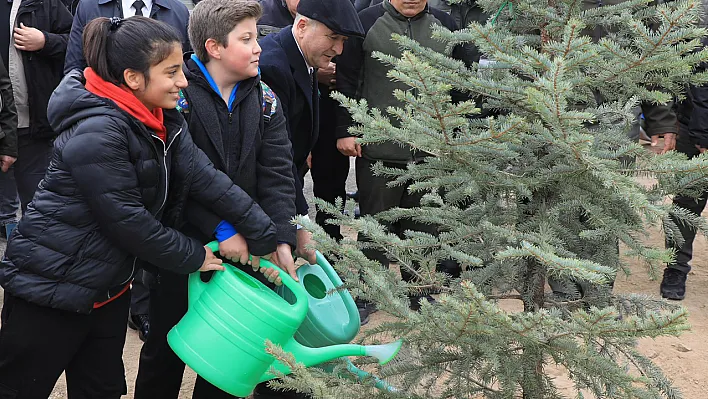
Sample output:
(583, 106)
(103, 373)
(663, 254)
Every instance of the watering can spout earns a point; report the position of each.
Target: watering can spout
(314, 356)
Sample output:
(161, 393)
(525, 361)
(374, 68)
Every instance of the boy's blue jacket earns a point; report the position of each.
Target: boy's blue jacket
(96, 215)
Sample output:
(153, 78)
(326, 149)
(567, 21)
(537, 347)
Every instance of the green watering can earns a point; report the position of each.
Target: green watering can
(332, 316)
(222, 336)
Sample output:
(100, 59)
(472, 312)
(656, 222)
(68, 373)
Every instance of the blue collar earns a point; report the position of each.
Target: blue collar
(209, 79)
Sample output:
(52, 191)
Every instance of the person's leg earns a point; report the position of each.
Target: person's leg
(140, 306)
(9, 203)
(96, 371)
(36, 345)
(673, 284)
(160, 371)
(374, 197)
(32, 162)
(329, 178)
(329, 167)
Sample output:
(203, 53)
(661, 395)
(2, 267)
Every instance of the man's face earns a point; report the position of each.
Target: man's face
(409, 8)
(292, 6)
(318, 43)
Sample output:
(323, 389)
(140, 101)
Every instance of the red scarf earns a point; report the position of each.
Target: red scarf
(127, 101)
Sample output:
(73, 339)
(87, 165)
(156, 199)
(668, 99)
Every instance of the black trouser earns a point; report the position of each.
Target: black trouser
(140, 302)
(160, 372)
(38, 343)
(684, 253)
(329, 167)
(376, 196)
(31, 166)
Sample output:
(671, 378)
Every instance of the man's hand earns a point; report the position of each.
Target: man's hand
(28, 39)
(211, 262)
(283, 258)
(304, 240)
(309, 160)
(701, 149)
(328, 76)
(349, 147)
(6, 161)
(669, 141)
(235, 248)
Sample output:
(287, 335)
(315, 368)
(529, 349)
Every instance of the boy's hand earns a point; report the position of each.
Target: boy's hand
(304, 240)
(271, 274)
(211, 262)
(283, 258)
(235, 248)
(28, 39)
(6, 161)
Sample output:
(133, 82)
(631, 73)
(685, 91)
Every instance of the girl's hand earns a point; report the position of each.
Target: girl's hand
(211, 262)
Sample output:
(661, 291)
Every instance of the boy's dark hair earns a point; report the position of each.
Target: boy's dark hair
(215, 19)
(112, 45)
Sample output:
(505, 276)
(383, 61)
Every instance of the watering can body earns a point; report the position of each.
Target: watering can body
(222, 337)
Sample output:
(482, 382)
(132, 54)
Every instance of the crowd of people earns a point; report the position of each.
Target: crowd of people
(132, 132)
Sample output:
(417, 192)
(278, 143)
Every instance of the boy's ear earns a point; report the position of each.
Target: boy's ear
(212, 48)
(133, 79)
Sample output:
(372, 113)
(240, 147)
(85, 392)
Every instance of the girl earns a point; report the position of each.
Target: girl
(97, 214)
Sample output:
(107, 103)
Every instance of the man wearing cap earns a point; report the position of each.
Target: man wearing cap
(328, 167)
(289, 62)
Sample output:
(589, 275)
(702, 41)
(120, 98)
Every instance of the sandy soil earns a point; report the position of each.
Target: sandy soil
(684, 358)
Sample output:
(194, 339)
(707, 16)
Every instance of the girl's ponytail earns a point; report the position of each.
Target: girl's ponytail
(96, 38)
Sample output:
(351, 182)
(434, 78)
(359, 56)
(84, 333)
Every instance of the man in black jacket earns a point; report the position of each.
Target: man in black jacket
(289, 63)
(33, 55)
(8, 152)
(171, 12)
(328, 167)
(692, 140)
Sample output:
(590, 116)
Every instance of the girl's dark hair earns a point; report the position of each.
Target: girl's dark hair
(112, 45)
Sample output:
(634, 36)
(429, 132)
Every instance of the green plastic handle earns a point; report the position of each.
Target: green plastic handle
(300, 305)
(337, 281)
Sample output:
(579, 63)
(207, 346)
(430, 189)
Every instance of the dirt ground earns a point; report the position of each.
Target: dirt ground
(684, 358)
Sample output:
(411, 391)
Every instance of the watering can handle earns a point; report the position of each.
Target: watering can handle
(337, 281)
(294, 286)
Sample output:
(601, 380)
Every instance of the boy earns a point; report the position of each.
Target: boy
(237, 121)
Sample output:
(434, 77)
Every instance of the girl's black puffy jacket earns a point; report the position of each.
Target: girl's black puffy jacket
(97, 211)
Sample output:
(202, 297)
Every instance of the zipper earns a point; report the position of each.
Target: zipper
(131, 274)
(410, 29)
(164, 162)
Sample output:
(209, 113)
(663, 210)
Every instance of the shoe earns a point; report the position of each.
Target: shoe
(357, 212)
(415, 301)
(140, 323)
(365, 309)
(673, 285)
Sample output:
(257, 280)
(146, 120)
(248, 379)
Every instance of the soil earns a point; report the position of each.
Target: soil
(684, 359)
